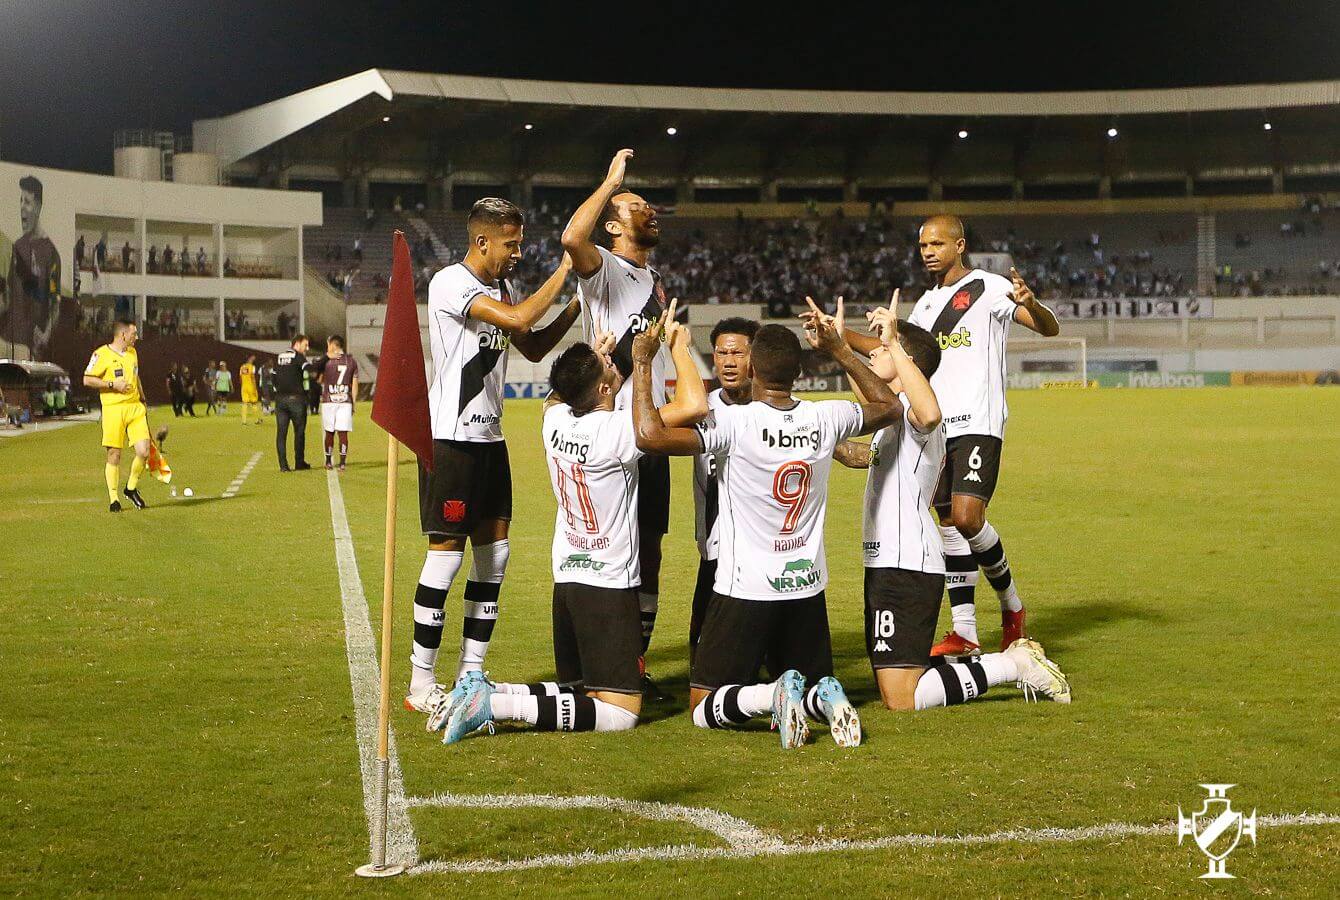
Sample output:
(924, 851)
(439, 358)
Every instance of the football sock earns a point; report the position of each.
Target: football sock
(481, 603)
(330, 445)
(344, 446)
(961, 580)
(951, 683)
(538, 689)
(733, 704)
(439, 570)
(814, 707)
(989, 553)
(136, 469)
(113, 475)
(562, 712)
(647, 604)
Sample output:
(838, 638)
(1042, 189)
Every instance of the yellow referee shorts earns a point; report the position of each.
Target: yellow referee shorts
(249, 395)
(124, 423)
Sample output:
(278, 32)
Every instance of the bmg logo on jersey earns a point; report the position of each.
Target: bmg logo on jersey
(960, 338)
(784, 441)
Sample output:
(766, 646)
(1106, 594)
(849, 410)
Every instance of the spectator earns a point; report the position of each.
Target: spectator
(201, 261)
(153, 259)
(125, 257)
(207, 386)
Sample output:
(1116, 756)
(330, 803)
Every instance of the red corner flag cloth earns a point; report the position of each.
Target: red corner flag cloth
(400, 400)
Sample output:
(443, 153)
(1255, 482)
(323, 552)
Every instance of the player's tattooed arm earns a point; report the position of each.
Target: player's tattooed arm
(577, 236)
(824, 332)
(519, 318)
(853, 454)
(924, 408)
(1029, 311)
(690, 403)
(650, 430)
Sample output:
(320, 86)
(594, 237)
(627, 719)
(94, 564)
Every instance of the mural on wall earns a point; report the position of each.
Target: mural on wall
(31, 303)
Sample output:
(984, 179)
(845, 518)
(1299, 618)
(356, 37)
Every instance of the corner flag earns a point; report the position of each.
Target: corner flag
(400, 404)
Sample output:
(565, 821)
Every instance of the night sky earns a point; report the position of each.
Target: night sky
(74, 71)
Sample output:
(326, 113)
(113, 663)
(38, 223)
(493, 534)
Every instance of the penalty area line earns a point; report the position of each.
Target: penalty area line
(365, 681)
(236, 484)
(775, 847)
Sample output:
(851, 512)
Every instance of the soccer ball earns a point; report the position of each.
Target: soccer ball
(188, 492)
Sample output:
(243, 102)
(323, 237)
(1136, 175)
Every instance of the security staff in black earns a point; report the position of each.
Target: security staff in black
(291, 403)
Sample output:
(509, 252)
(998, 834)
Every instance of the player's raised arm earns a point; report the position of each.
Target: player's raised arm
(577, 236)
(1029, 311)
(519, 318)
(924, 408)
(535, 345)
(690, 403)
(652, 434)
(824, 332)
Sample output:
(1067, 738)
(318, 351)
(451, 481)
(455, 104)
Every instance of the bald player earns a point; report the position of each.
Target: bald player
(968, 312)
(622, 294)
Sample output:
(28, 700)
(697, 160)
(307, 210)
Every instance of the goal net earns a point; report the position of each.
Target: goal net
(1046, 362)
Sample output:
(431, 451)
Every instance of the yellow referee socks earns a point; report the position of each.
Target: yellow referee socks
(113, 478)
(136, 468)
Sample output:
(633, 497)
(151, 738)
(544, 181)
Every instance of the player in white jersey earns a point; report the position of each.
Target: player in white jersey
(621, 293)
(730, 363)
(969, 313)
(473, 318)
(904, 563)
(774, 456)
(593, 468)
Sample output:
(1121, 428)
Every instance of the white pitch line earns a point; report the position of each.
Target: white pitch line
(686, 852)
(236, 484)
(364, 680)
(734, 831)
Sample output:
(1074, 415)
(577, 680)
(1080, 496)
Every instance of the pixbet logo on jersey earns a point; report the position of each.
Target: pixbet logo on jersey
(493, 340)
(960, 338)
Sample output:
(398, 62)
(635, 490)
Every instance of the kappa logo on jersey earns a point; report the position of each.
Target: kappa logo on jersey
(786, 441)
(581, 561)
(453, 510)
(960, 338)
(882, 647)
(796, 575)
(961, 300)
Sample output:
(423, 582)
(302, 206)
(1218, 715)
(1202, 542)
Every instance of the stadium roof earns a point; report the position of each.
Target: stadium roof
(237, 136)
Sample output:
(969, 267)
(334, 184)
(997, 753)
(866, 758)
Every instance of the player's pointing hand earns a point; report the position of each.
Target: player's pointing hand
(1022, 293)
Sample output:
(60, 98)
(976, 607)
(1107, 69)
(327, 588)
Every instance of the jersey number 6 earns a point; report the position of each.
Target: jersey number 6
(790, 487)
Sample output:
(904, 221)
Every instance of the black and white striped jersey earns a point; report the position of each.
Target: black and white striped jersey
(971, 321)
(465, 396)
(624, 299)
(899, 532)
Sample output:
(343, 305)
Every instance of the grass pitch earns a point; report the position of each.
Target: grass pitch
(175, 708)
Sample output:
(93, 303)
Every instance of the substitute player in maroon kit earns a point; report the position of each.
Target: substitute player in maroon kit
(339, 386)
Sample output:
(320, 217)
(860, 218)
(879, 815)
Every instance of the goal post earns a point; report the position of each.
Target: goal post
(1047, 362)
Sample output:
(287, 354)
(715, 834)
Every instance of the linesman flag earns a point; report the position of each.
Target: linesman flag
(400, 404)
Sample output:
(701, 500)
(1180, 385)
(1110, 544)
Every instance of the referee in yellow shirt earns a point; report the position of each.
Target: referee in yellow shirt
(250, 396)
(115, 371)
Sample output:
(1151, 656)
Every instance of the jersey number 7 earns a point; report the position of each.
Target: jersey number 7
(790, 487)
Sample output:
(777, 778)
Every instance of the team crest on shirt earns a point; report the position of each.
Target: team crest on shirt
(961, 300)
(796, 575)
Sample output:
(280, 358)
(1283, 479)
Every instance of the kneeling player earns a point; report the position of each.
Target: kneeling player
(593, 468)
(905, 571)
(773, 459)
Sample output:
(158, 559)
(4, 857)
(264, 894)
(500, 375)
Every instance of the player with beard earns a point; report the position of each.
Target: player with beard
(730, 338)
(622, 294)
(969, 311)
(473, 319)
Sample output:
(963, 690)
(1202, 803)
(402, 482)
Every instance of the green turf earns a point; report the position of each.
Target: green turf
(175, 710)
